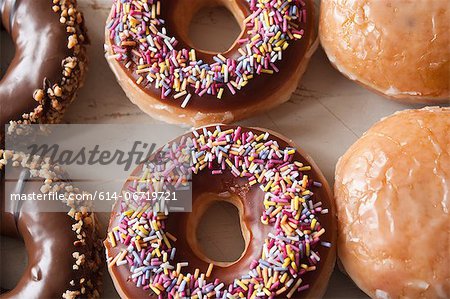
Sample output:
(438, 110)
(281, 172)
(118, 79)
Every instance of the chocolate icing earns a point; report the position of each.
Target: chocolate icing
(50, 243)
(251, 199)
(35, 30)
(257, 89)
(41, 45)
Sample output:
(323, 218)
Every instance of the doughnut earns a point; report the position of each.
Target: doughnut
(63, 248)
(149, 50)
(49, 62)
(397, 48)
(392, 196)
(285, 209)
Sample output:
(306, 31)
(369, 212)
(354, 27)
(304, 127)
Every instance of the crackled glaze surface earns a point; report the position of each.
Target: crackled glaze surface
(392, 193)
(398, 47)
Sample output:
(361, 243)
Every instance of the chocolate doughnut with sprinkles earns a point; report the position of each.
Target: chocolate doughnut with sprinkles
(149, 50)
(285, 209)
(63, 247)
(49, 62)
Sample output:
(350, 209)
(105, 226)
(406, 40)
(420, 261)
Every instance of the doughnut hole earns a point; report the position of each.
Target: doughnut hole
(217, 27)
(219, 234)
(13, 262)
(7, 51)
(225, 188)
(216, 21)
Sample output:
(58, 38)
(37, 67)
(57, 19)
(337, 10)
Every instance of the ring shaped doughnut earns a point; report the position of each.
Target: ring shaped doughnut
(162, 72)
(287, 221)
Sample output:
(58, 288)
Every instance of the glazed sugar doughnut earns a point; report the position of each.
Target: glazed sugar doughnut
(49, 62)
(63, 248)
(397, 48)
(285, 210)
(155, 62)
(391, 186)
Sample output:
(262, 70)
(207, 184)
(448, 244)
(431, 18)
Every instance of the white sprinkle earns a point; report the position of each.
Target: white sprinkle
(186, 100)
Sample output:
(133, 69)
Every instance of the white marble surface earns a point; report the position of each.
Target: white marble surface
(325, 115)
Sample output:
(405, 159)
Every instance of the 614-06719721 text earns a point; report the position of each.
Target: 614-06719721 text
(143, 195)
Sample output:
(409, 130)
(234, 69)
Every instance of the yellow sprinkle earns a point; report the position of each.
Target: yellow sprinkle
(138, 245)
(155, 225)
(266, 188)
(142, 229)
(129, 212)
(260, 137)
(112, 240)
(154, 16)
(166, 241)
(157, 291)
(219, 94)
(270, 72)
(158, 253)
(294, 266)
(313, 223)
(180, 278)
(192, 55)
(242, 285)
(210, 268)
(296, 203)
(255, 38)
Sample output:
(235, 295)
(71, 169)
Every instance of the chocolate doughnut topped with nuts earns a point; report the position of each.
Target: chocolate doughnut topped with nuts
(62, 243)
(49, 62)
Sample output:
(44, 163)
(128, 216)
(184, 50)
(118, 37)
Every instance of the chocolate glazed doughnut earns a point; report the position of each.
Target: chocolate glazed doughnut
(63, 248)
(164, 260)
(160, 70)
(49, 62)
